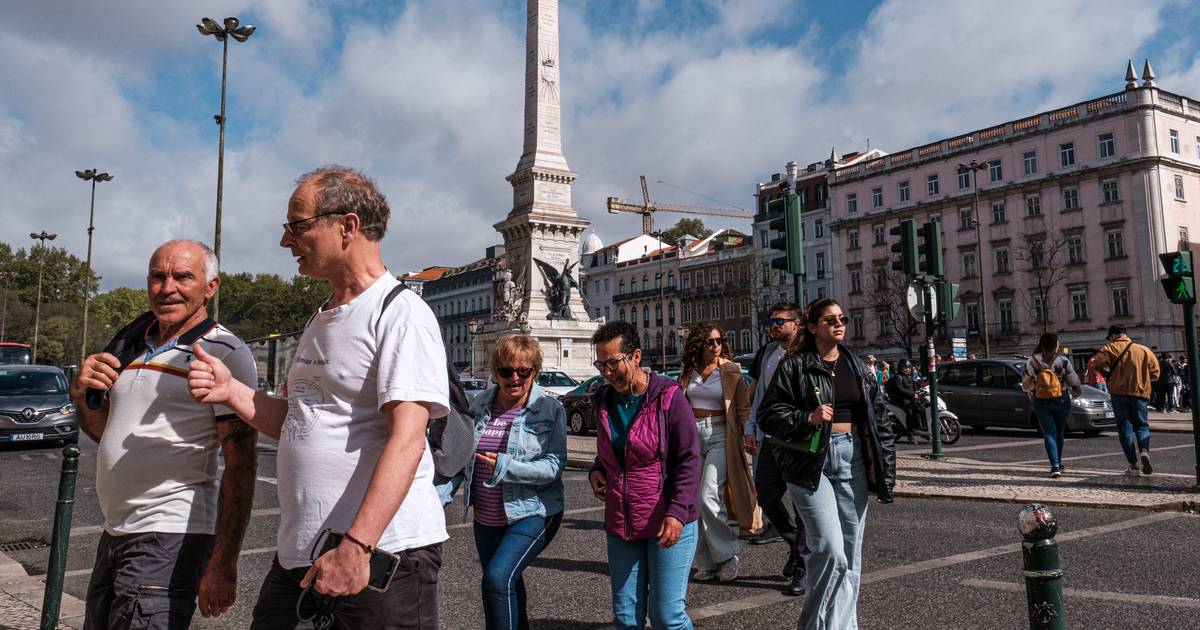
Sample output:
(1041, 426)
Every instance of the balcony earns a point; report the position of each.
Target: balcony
(644, 294)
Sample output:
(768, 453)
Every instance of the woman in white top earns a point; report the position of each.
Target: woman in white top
(720, 400)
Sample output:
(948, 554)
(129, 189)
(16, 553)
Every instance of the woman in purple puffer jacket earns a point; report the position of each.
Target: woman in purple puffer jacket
(647, 473)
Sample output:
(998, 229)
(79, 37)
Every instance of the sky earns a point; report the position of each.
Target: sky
(425, 96)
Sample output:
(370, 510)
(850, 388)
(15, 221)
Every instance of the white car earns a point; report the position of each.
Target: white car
(556, 382)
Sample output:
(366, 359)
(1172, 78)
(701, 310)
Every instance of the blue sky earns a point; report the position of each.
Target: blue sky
(425, 96)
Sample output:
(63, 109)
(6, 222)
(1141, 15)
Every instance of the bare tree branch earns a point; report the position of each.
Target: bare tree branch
(887, 295)
(1045, 260)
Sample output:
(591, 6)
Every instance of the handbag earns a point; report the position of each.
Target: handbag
(811, 442)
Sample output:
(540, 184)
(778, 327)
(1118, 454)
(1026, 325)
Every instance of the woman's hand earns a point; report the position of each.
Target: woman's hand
(824, 413)
(487, 458)
(596, 478)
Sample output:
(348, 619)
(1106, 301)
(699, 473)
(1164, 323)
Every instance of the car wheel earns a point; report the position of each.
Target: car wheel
(576, 423)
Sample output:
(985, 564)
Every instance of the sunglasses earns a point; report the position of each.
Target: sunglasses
(507, 372)
(609, 365)
(834, 320)
(290, 226)
(712, 343)
(780, 321)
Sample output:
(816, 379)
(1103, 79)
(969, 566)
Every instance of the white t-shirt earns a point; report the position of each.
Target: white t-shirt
(156, 466)
(706, 393)
(352, 360)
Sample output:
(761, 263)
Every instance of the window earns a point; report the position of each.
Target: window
(931, 185)
(1174, 141)
(1109, 190)
(1114, 243)
(856, 325)
(712, 276)
(998, 213)
(1079, 305)
(855, 282)
(1033, 205)
(972, 311)
(1075, 249)
(645, 316)
(1037, 253)
(1107, 147)
(1039, 306)
(1029, 162)
(699, 278)
(1001, 254)
(905, 192)
(686, 315)
(764, 241)
(744, 308)
(1183, 237)
(670, 279)
(876, 197)
(820, 265)
(878, 230)
(687, 279)
(745, 340)
(658, 280)
(670, 313)
(995, 171)
(731, 339)
(1066, 154)
(970, 267)
(818, 228)
(965, 218)
(646, 281)
(633, 284)
(881, 279)
(852, 200)
(729, 306)
(658, 321)
(1118, 296)
(608, 285)
(1070, 198)
(803, 231)
(881, 322)
(1179, 187)
(821, 292)
(964, 178)
(728, 273)
(1007, 326)
(852, 238)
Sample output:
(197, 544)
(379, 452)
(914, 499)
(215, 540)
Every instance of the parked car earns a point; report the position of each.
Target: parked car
(987, 393)
(556, 382)
(674, 374)
(474, 386)
(581, 418)
(34, 405)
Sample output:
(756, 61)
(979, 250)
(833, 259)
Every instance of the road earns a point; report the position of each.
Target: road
(929, 563)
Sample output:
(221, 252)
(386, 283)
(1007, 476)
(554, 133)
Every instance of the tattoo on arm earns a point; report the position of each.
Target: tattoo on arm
(238, 431)
(238, 440)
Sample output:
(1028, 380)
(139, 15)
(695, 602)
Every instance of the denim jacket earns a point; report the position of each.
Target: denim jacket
(531, 468)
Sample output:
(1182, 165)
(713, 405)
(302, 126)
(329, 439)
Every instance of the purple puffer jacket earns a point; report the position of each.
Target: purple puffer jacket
(660, 475)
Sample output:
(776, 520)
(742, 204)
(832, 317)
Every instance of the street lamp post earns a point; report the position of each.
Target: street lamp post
(95, 177)
(974, 167)
(472, 328)
(658, 234)
(231, 28)
(37, 312)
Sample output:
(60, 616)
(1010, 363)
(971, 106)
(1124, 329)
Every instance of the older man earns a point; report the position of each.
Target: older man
(367, 376)
(169, 537)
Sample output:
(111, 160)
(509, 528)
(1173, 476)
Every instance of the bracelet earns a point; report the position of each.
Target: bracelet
(365, 547)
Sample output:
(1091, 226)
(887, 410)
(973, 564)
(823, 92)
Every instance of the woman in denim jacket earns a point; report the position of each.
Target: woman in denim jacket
(515, 484)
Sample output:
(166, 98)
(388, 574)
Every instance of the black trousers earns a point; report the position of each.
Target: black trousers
(774, 500)
(410, 602)
(146, 581)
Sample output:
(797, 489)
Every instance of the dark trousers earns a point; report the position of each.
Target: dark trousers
(146, 581)
(504, 553)
(410, 602)
(772, 489)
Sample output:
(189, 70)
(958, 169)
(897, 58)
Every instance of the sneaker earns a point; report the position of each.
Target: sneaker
(767, 536)
(728, 571)
(1055, 472)
(703, 575)
(1147, 469)
(1133, 471)
(795, 586)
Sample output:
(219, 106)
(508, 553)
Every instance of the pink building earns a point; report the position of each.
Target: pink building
(1093, 191)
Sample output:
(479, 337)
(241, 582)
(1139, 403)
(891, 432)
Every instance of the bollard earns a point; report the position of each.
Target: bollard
(62, 537)
(1043, 573)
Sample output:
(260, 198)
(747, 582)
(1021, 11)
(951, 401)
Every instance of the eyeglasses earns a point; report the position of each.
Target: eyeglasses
(507, 372)
(780, 321)
(290, 226)
(609, 365)
(713, 342)
(834, 320)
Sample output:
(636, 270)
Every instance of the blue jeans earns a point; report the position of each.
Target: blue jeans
(1051, 414)
(647, 577)
(1132, 423)
(504, 552)
(834, 516)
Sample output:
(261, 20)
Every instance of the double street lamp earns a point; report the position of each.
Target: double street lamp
(37, 313)
(974, 167)
(231, 28)
(94, 176)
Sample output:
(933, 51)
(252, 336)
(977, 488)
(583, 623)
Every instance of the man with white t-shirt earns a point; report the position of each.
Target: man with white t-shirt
(169, 538)
(367, 376)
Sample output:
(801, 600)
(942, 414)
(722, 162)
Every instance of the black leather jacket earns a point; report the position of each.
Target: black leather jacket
(784, 414)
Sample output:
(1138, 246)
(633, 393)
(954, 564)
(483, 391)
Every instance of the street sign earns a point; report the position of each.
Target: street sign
(960, 347)
(915, 298)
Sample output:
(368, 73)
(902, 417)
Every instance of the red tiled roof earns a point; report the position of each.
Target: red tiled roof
(427, 274)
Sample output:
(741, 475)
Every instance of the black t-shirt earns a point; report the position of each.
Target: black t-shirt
(848, 403)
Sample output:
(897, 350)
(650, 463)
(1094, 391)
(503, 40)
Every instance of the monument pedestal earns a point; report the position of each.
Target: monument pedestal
(566, 345)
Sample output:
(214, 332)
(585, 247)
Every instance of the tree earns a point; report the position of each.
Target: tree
(694, 227)
(887, 294)
(1045, 259)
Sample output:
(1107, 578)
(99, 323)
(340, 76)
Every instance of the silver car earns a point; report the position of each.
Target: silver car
(987, 393)
(34, 405)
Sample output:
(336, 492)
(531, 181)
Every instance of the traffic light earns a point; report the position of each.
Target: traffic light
(907, 247)
(932, 263)
(791, 242)
(947, 301)
(1180, 283)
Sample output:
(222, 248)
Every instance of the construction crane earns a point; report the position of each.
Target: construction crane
(647, 209)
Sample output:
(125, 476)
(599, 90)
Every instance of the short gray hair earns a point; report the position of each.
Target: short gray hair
(211, 268)
(342, 190)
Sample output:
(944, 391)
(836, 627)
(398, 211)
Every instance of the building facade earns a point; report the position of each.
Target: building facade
(715, 285)
(1059, 229)
(459, 297)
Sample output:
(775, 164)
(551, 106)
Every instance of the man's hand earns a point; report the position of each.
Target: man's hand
(669, 531)
(218, 588)
(751, 444)
(343, 571)
(209, 380)
(99, 371)
(596, 478)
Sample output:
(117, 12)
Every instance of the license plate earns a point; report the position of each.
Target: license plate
(1109, 414)
(24, 437)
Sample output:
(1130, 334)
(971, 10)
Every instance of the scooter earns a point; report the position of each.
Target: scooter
(951, 430)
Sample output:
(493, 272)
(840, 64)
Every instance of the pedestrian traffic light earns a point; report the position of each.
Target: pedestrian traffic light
(791, 241)
(907, 247)
(1180, 283)
(947, 301)
(932, 263)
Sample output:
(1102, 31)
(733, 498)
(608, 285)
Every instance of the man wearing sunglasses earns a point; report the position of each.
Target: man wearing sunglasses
(352, 457)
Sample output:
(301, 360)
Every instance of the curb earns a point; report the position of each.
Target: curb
(11, 570)
(16, 584)
(1168, 506)
(575, 462)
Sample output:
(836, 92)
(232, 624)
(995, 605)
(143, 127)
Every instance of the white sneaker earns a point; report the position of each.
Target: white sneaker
(1147, 469)
(1133, 471)
(728, 571)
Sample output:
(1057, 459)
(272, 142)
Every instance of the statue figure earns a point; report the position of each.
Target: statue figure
(508, 297)
(558, 288)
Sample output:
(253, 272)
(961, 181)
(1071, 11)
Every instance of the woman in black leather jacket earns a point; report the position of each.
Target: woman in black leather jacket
(834, 445)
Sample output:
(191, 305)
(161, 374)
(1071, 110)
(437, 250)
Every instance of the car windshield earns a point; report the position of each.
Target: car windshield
(556, 379)
(473, 384)
(14, 354)
(24, 383)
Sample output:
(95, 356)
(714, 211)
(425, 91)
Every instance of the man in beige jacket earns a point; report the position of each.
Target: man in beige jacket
(1132, 369)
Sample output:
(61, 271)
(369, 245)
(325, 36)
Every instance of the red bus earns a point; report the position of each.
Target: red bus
(15, 354)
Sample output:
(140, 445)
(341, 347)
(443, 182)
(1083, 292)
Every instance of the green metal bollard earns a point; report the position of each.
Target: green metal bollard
(62, 537)
(1043, 572)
